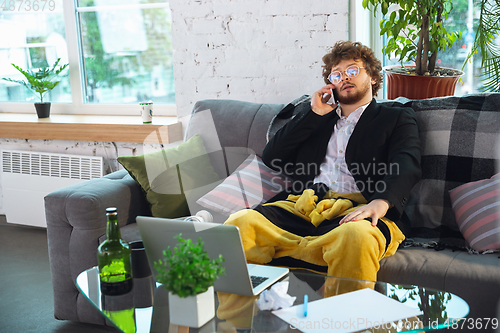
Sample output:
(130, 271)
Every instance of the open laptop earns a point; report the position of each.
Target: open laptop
(240, 278)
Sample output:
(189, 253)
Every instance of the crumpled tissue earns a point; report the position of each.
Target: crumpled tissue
(276, 297)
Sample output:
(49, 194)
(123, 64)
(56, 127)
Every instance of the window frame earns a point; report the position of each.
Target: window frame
(75, 56)
(364, 28)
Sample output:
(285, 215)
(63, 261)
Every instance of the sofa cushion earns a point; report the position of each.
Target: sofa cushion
(416, 265)
(165, 175)
(252, 183)
(474, 278)
(477, 211)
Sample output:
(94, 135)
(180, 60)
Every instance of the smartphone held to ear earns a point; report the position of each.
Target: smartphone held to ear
(334, 96)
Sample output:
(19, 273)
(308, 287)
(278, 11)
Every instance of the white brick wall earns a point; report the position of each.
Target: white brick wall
(252, 50)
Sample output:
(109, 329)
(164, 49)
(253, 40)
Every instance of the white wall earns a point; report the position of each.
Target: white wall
(252, 50)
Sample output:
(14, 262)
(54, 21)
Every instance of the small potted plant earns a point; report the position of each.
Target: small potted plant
(40, 82)
(189, 274)
(416, 32)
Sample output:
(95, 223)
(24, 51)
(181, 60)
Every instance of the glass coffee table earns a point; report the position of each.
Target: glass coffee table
(145, 309)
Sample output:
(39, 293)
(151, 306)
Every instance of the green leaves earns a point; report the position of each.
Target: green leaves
(385, 8)
(433, 303)
(484, 44)
(403, 22)
(40, 81)
(188, 270)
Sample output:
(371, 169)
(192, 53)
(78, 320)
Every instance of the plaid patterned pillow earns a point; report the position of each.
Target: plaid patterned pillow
(459, 137)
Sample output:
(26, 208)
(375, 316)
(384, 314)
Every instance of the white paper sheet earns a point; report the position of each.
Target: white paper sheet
(350, 312)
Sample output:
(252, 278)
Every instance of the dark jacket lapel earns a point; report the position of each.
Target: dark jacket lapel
(361, 128)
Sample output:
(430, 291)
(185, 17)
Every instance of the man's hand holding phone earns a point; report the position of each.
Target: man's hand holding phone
(319, 100)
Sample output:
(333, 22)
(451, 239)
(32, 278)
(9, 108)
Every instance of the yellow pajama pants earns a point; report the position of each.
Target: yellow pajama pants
(352, 250)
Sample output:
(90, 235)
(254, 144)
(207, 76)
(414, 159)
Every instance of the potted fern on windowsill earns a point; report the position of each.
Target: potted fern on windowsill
(39, 83)
(189, 274)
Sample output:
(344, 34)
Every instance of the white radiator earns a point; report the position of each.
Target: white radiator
(28, 176)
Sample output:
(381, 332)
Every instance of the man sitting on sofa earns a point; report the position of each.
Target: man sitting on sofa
(353, 164)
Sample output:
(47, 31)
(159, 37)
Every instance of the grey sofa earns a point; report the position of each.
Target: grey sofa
(75, 220)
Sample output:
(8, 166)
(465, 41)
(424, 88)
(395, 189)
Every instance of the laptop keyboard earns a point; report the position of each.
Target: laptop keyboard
(256, 280)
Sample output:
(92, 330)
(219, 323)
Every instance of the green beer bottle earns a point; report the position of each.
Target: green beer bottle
(113, 257)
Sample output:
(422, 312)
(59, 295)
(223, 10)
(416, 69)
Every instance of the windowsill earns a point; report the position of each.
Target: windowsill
(90, 128)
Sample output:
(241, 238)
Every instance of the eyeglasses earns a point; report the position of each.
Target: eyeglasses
(351, 72)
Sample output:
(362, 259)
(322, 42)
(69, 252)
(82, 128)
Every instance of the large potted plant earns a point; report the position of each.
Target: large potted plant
(189, 274)
(416, 33)
(40, 82)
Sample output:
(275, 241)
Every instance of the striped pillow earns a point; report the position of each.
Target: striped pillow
(477, 212)
(252, 183)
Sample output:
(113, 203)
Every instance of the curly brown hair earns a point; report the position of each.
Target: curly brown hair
(345, 50)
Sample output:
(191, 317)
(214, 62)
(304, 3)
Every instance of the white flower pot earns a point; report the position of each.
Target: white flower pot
(192, 311)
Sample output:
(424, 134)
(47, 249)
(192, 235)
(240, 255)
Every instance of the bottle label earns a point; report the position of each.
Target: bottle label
(114, 272)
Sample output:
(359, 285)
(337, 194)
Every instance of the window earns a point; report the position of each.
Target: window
(35, 38)
(119, 51)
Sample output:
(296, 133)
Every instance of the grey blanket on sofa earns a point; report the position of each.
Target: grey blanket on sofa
(460, 137)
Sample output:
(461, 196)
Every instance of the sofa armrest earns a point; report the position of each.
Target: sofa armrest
(76, 217)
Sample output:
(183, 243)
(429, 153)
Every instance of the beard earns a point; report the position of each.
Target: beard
(356, 97)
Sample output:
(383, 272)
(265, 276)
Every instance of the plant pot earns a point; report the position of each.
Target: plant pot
(42, 110)
(419, 86)
(192, 311)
